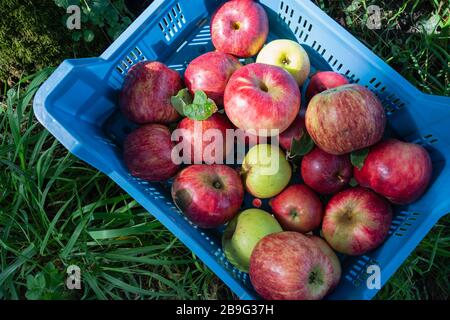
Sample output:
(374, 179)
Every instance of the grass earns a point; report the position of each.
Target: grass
(56, 211)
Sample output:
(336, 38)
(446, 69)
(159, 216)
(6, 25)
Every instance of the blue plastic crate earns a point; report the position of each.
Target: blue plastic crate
(78, 105)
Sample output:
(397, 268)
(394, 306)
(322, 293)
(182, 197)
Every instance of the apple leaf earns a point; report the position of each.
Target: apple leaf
(201, 108)
(198, 108)
(200, 98)
(182, 99)
(358, 157)
(302, 146)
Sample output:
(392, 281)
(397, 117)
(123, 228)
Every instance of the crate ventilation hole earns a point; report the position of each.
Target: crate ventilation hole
(129, 60)
(357, 274)
(402, 222)
(172, 22)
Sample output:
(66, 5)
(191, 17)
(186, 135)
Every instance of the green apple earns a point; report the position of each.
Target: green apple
(243, 233)
(288, 55)
(266, 171)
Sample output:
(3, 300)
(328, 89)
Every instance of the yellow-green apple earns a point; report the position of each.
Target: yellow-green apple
(295, 131)
(243, 233)
(240, 28)
(146, 93)
(326, 173)
(200, 135)
(209, 195)
(266, 171)
(210, 73)
(288, 55)
(356, 221)
(345, 119)
(147, 153)
(290, 266)
(298, 208)
(324, 80)
(397, 170)
(326, 249)
(263, 98)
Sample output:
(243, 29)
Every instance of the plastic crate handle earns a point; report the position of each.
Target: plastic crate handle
(42, 111)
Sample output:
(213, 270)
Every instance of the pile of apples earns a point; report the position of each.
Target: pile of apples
(351, 175)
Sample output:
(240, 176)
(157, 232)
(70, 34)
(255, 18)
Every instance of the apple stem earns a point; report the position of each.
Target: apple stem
(217, 185)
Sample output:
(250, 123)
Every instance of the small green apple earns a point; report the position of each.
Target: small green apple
(266, 171)
(288, 55)
(243, 233)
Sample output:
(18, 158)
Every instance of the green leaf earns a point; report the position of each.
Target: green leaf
(302, 146)
(182, 99)
(123, 232)
(76, 36)
(353, 182)
(200, 97)
(35, 286)
(24, 256)
(358, 157)
(200, 108)
(88, 35)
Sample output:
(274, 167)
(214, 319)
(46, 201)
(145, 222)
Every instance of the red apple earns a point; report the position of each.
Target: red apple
(147, 153)
(262, 97)
(326, 173)
(146, 93)
(326, 249)
(210, 73)
(209, 195)
(201, 134)
(397, 170)
(240, 28)
(356, 221)
(296, 130)
(290, 266)
(298, 208)
(345, 119)
(324, 80)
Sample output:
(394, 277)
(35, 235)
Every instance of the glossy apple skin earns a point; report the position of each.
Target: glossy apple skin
(282, 264)
(326, 173)
(295, 130)
(209, 195)
(288, 55)
(194, 131)
(146, 93)
(240, 28)
(260, 96)
(210, 73)
(397, 170)
(324, 80)
(265, 171)
(356, 221)
(147, 153)
(336, 264)
(243, 233)
(345, 119)
(298, 208)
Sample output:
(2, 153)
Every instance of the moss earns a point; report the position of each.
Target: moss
(33, 36)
